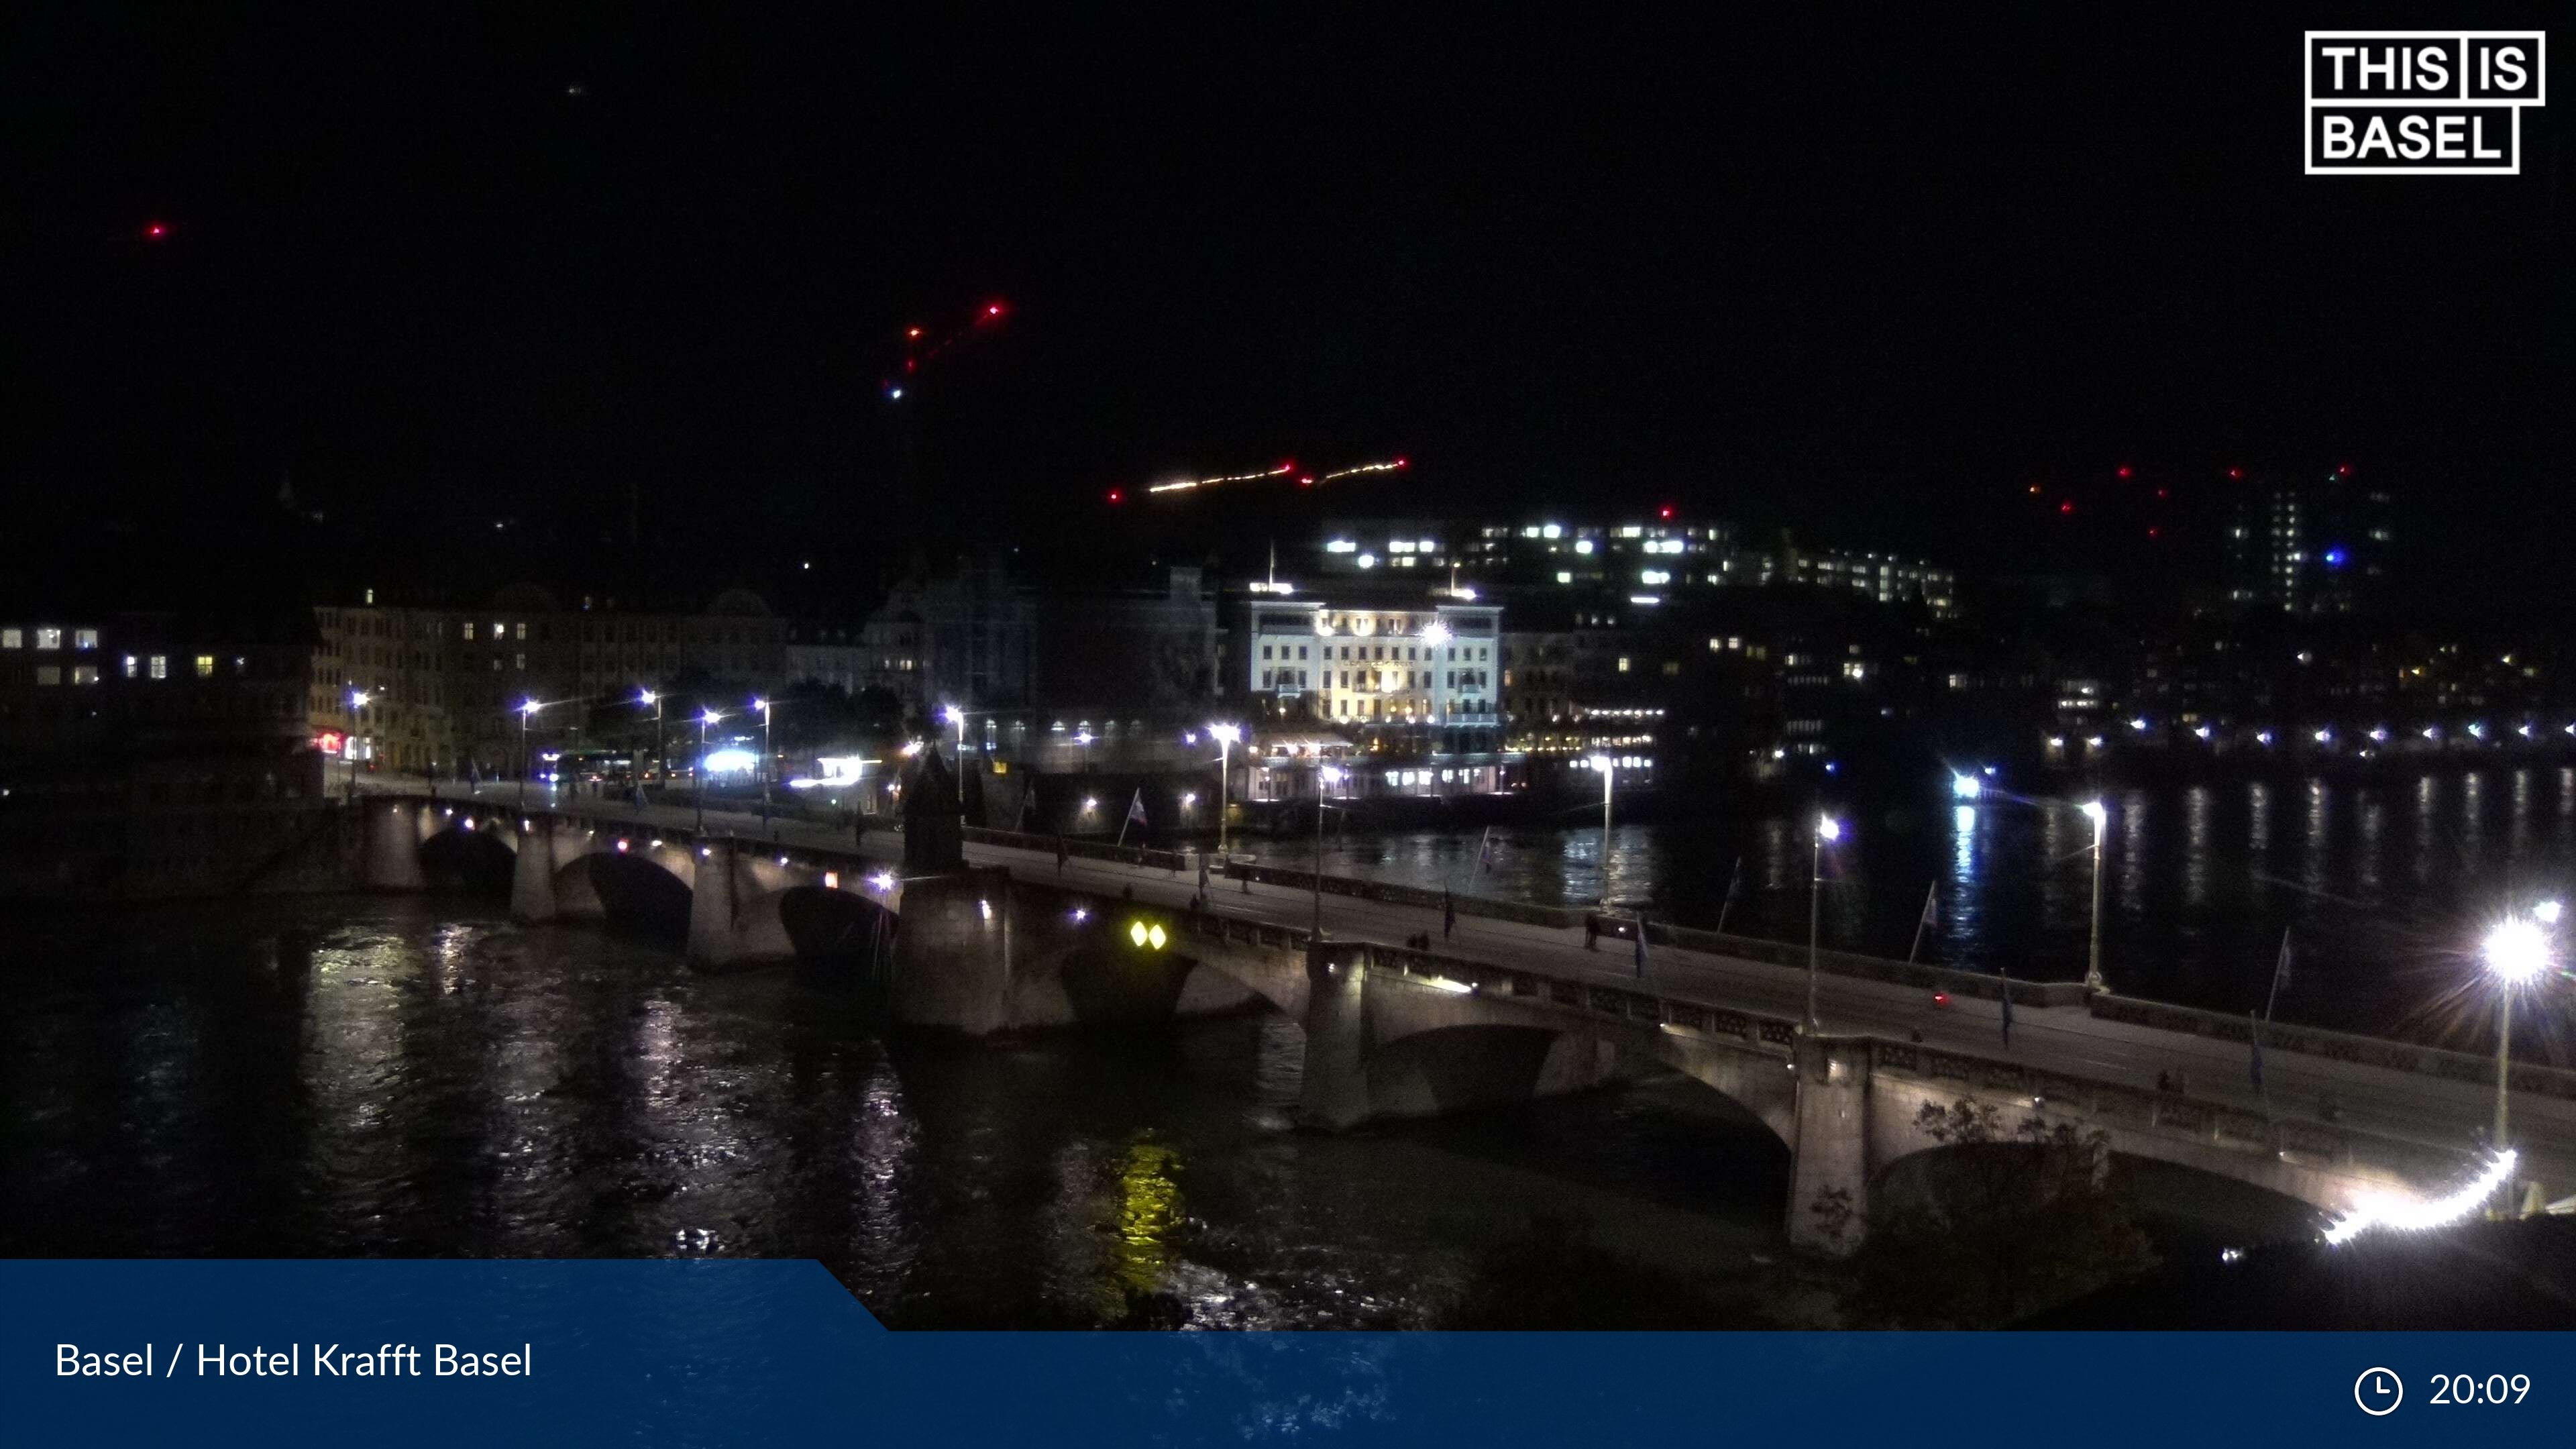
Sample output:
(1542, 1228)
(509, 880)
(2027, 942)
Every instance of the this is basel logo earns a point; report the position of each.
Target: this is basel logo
(2421, 102)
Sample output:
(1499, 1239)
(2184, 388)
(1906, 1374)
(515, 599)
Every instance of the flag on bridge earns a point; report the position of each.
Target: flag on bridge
(1485, 852)
(1136, 807)
(1734, 882)
(2280, 975)
(1930, 918)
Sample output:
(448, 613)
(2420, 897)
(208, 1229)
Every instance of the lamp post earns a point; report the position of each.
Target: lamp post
(767, 759)
(527, 762)
(661, 752)
(1325, 775)
(2516, 952)
(1609, 768)
(957, 717)
(2094, 811)
(1226, 735)
(698, 771)
(348, 757)
(1827, 828)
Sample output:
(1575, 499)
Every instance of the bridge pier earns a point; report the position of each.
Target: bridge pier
(711, 906)
(1335, 1092)
(952, 959)
(393, 834)
(532, 877)
(1829, 1153)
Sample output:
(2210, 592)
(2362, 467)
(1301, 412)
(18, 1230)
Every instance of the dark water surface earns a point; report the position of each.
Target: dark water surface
(2387, 885)
(420, 1077)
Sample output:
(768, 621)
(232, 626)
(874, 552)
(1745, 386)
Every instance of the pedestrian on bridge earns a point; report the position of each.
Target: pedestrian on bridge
(1448, 915)
(1061, 856)
(1591, 933)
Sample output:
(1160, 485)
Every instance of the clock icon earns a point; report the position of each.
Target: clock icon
(2378, 1392)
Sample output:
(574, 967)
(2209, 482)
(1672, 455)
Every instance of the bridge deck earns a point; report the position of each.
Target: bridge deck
(2422, 1109)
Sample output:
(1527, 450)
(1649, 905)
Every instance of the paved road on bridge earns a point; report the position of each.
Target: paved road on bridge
(2407, 1106)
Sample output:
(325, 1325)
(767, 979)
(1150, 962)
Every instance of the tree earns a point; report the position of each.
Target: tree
(2014, 1219)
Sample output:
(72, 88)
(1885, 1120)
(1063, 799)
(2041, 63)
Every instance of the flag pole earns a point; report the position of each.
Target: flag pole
(1920, 922)
(1732, 878)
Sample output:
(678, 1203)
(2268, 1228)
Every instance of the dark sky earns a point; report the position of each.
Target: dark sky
(1865, 272)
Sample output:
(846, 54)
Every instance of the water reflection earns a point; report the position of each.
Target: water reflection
(2200, 880)
(429, 1080)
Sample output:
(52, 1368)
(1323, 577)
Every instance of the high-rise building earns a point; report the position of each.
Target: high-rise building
(2309, 547)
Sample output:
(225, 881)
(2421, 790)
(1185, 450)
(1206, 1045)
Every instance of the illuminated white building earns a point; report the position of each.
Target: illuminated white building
(1351, 663)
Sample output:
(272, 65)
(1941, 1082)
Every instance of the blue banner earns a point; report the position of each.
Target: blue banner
(454, 1353)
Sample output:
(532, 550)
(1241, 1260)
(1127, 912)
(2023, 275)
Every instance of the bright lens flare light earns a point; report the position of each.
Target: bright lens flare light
(2516, 951)
(1828, 828)
(2094, 812)
(2416, 1217)
(2548, 912)
(1966, 787)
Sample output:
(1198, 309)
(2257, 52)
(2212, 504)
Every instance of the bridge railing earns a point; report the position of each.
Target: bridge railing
(1138, 855)
(2115, 1104)
(2339, 1046)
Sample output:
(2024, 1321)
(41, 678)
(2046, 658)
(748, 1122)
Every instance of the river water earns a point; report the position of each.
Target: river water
(420, 1077)
(2384, 887)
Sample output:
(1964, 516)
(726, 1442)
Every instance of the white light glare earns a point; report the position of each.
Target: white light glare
(1828, 828)
(1967, 787)
(2548, 912)
(2094, 812)
(2516, 950)
(2415, 1217)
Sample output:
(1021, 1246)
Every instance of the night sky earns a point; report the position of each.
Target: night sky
(1863, 273)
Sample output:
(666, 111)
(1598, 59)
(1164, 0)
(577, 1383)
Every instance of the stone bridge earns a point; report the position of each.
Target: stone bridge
(1389, 1032)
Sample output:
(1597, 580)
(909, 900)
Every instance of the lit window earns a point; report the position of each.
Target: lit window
(84, 674)
(1623, 664)
(205, 666)
(48, 638)
(469, 628)
(519, 630)
(49, 674)
(131, 665)
(11, 639)
(84, 638)
(158, 666)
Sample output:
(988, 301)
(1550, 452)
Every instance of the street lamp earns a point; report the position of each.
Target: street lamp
(1325, 776)
(957, 717)
(348, 756)
(1609, 768)
(698, 771)
(1827, 829)
(1966, 787)
(2516, 952)
(768, 759)
(2094, 811)
(1226, 735)
(661, 752)
(527, 763)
